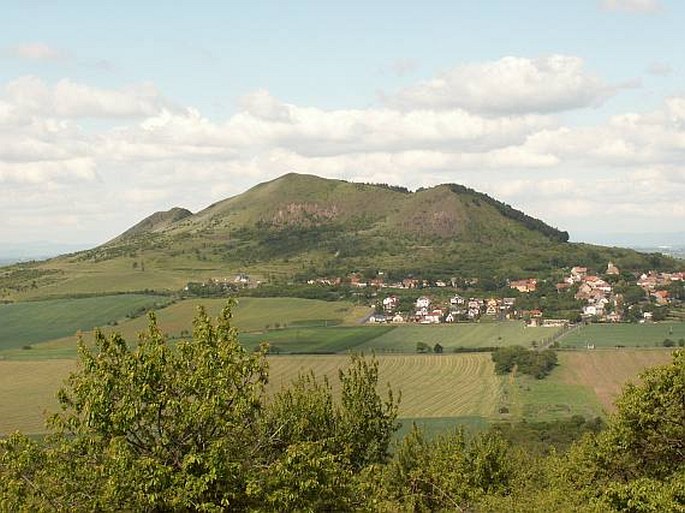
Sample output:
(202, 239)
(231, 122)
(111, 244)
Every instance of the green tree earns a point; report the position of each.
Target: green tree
(188, 428)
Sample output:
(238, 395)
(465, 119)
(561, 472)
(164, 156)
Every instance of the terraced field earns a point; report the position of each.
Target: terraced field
(452, 385)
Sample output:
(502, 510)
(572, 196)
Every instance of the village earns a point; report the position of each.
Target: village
(594, 294)
(586, 296)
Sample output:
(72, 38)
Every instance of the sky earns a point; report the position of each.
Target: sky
(573, 112)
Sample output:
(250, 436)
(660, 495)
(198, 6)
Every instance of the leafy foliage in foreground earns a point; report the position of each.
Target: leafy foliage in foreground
(189, 429)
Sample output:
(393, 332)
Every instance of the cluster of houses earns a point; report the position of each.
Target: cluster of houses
(599, 300)
(427, 311)
(595, 292)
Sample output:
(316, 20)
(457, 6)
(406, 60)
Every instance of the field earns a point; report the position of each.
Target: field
(34, 322)
(431, 385)
(175, 319)
(626, 335)
(438, 391)
(462, 335)
(605, 372)
(27, 390)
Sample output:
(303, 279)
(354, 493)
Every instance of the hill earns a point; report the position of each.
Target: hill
(300, 226)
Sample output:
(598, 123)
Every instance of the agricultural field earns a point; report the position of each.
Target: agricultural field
(23, 324)
(461, 335)
(444, 385)
(605, 372)
(176, 321)
(626, 335)
(584, 383)
(27, 390)
(438, 391)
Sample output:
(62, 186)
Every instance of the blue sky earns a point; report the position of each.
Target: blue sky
(571, 111)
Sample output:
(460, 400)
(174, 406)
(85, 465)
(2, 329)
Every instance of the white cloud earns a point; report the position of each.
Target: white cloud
(52, 166)
(511, 85)
(659, 68)
(29, 95)
(36, 51)
(638, 6)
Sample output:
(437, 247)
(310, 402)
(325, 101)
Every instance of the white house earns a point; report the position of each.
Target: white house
(423, 302)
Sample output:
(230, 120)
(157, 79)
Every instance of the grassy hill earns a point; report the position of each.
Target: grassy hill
(300, 226)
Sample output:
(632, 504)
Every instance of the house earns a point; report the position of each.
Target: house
(578, 272)
(647, 281)
(378, 318)
(390, 303)
(433, 317)
(661, 297)
(612, 269)
(451, 317)
(423, 302)
(562, 286)
(614, 317)
(527, 285)
(356, 281)
(397, 318)
(555, 323)
(242, 279)
(377, 282)
(410, 283)
(593, 310)
(508, 302)
(457, 300)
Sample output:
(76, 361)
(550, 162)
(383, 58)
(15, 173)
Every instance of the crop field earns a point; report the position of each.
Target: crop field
(467, 335)
(339, 339)
(606, 372)
(584, 383)
(176, 320)
(251, 314)
(34, 322)
(454, 385)
(627, 335)
(27, 390)
(438, 391)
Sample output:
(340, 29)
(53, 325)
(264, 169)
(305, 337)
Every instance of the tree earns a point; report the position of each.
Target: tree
(188, 428)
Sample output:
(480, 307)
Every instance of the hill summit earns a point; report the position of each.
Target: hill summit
(302, 226)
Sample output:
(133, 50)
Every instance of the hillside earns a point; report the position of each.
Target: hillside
(301, 225)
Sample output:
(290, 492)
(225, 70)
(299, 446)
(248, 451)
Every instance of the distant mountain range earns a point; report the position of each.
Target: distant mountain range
(300, 226)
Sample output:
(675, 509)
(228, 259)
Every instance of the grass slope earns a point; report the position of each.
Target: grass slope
(628, 335)
(468, 335)
(250, 317)
(31, 323)
(431, 385)
(27, 390)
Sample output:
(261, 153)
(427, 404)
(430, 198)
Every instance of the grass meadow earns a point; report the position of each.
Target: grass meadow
(626, 335)
(437, 391)
(460, 335)
(34, 322)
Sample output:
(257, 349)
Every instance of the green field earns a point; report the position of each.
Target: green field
(467, 335)
(251, 317)
(339, 339)
(34, 322)
(626, 335)
(438, 391)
